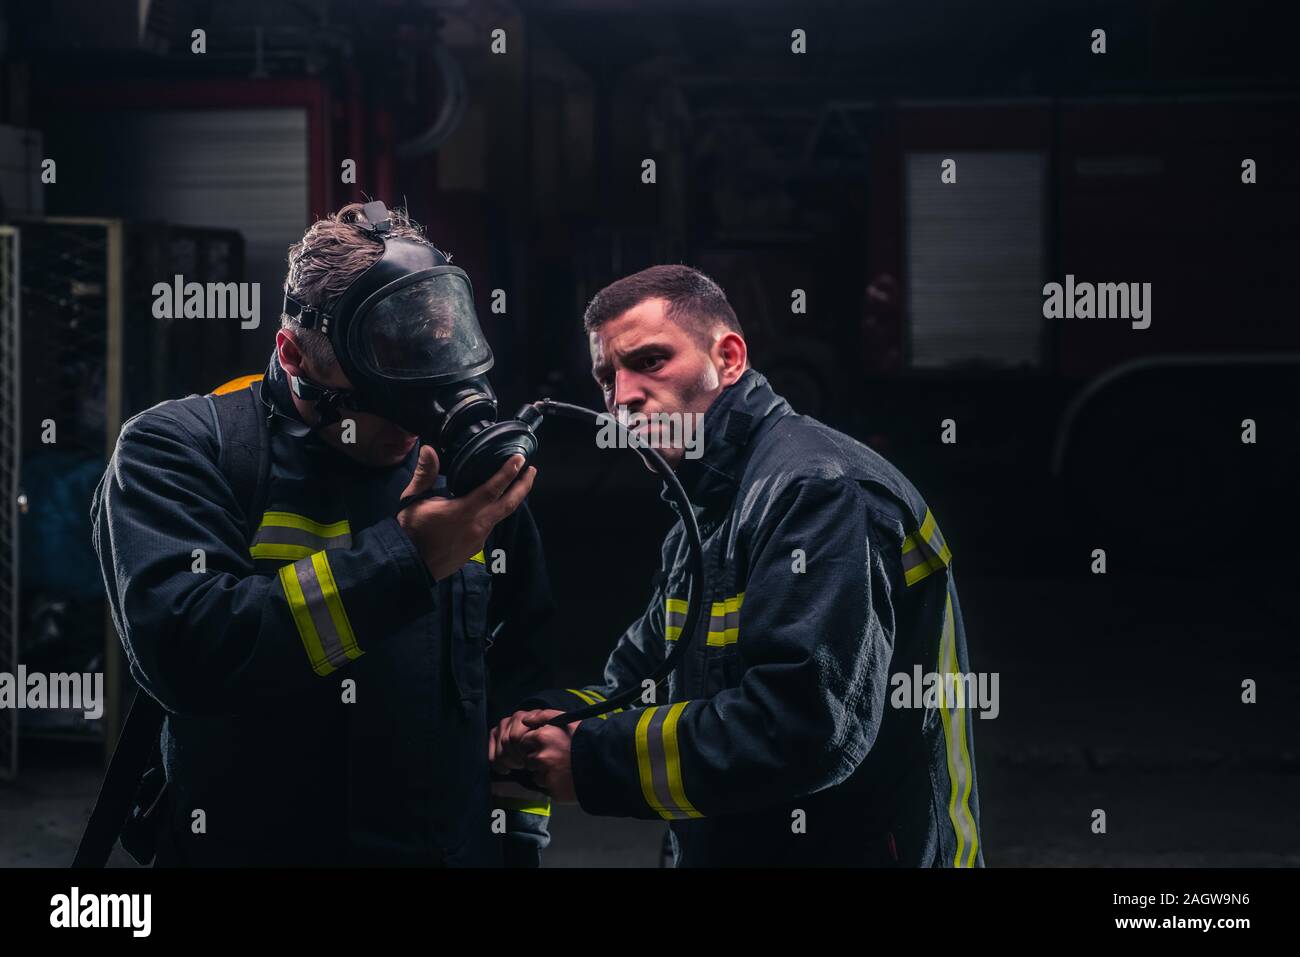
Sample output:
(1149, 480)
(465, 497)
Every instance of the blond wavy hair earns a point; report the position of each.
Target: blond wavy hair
(332, 253)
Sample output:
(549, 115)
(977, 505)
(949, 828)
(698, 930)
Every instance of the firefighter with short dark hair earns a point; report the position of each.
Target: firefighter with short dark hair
(776, 742)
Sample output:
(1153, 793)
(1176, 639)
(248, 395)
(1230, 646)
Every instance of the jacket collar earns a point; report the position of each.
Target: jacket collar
(281, 411)
(285, 422)
(730, 426)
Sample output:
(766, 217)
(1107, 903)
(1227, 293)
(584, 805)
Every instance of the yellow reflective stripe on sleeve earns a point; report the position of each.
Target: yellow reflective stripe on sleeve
(932, 538)
(674, 760)
(302, 618)
(284, 536)
(659, 765)
(318, 613)
(643, 759)
(600, 697)
(592, 697)
(954, 735)
(275, 551)
(302, 522)
(334, 603)
(540, 807)
(925, 552)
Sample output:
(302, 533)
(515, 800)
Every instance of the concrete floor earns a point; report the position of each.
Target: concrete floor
(1034, 815)
(1129, 703)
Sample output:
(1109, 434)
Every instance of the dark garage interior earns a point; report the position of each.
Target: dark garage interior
(775, 172)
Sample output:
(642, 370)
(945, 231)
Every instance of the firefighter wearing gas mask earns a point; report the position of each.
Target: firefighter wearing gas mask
(327, 578)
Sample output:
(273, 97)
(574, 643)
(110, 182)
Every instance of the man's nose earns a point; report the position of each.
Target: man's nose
(628, 390)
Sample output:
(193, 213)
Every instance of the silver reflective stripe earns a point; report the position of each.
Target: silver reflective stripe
(724, 621)
(733, 615)
(931, 538)
(915, 557)
(331, 642)
(924, 552)
(287, 536)
(674, 618)
(936, 544)
(954, 728)
(283, 535)
(717, 625)
(659, 767)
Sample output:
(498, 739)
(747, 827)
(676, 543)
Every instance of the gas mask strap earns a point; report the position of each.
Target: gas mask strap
(328, 410)
(327, 402)
(377, 219)
(309, 317)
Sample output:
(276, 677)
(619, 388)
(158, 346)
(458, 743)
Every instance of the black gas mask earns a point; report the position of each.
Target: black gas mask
(407, 336)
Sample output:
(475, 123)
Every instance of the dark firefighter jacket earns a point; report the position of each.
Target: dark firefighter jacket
(327, 702)
(780, 741)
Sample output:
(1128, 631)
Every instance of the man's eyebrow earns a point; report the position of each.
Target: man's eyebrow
(645, 349)
(637, 352)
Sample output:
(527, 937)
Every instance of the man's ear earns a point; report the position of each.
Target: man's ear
(295, 361)
(291, 358)
(731, 357)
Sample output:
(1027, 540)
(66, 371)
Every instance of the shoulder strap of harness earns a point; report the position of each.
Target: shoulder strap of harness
(244, 444)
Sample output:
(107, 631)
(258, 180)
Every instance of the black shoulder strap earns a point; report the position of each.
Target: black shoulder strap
(135, 746)
(244, 457)
(244, 443)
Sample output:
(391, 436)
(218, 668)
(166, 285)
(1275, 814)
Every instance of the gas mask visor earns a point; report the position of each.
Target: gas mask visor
(420, 330)
(413, 346)
(408, 337)
(416, 342)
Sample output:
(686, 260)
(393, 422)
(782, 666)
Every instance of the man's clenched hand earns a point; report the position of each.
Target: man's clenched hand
(505, 753)
(548, 755)
(449, 531)
(525, 740)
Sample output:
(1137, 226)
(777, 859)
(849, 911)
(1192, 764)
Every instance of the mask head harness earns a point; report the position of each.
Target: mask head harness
(407, 336)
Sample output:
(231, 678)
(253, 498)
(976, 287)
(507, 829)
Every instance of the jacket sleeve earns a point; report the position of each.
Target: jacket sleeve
(528, 823)
(202, 631)
(815, 635)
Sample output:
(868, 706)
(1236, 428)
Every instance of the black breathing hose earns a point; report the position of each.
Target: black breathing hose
(694, 603)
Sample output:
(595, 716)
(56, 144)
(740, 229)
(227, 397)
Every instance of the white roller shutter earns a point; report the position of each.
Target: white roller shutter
(238, 169)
